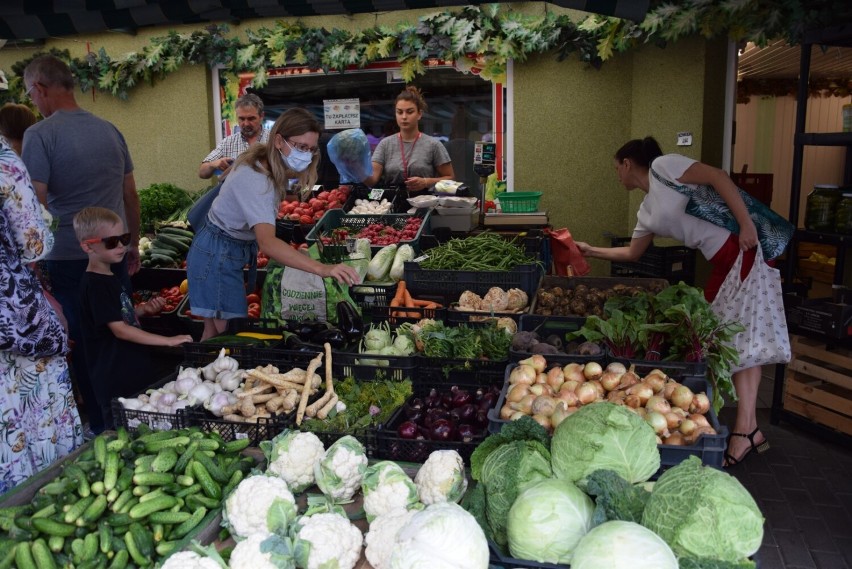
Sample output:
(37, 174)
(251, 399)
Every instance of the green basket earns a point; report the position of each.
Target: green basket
(519, 202)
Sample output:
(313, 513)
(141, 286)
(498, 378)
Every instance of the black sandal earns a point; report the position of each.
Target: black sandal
(762, 447)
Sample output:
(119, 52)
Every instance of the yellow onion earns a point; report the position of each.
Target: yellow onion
(687, 427)
(616, 367)
(658, 423)
(541, 378)
(523, 374)
(587, 393)
(541, 389)
(525, 404)
(570, 385)
(700, 404)
(569, 397)
(658, 404)
(536, 361)
(633, 401)
(555, 378)
(700, 420)
(610, 380)
(643, 391)
(616, 396)
(574, 372)
(516, 392)
(629, 378)
(669, 388)
(682, 397)
(559, 414)
(655, 382)
(673, 420)
(543, 405)
(598, 387)
(543, 420)
(674, 439)
(592, 370)
(506, 412)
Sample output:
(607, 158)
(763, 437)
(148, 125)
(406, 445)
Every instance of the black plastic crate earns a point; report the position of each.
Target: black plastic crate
(710, 449)
(366, 437)
(555, 325)
(264, 429)
(397, 199)
(437, 371)
(368, 295)
(478, 318)
(337, 218)
(674, 263)
(291, 231)
(380, 313)
(451, 284)
(500, 560)
(818, 317)
(391, 446)
(570, 283)
(131, 419)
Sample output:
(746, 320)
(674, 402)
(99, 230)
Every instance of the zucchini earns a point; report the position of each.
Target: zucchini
(161, 248)
(172, 242)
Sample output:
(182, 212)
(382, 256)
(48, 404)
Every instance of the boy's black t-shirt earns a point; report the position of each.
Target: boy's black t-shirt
(118, 368)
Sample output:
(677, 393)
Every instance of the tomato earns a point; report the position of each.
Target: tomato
(323, 195)
(306, 219)
(262, 262)
(293, 217)
(318, 215)
(335, 204)
(252, 299)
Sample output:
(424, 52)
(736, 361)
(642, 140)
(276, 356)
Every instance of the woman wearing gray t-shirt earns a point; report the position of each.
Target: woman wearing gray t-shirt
(410, 157)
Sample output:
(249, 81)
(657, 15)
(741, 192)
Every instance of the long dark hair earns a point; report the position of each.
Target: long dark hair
(641, 151)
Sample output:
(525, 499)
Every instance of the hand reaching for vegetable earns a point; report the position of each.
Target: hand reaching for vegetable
(343, 273)
(152, 307)
(178, 340)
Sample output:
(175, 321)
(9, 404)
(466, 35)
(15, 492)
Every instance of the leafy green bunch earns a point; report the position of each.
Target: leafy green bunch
(159, 202)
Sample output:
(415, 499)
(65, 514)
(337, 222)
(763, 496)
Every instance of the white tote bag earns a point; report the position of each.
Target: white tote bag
(757, 304)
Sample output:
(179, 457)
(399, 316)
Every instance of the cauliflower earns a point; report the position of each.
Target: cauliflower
(495, 300)
(387, 487)
(260, 504)
(189, 560)
(247, 554)
(441, 478)
(330, 537)
(339, 473)
(292, 456)
(382, 535)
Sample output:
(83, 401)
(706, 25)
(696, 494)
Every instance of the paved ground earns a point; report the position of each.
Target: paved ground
(803, 486)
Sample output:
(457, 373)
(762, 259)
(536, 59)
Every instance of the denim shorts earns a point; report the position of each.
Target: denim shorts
(214, 268)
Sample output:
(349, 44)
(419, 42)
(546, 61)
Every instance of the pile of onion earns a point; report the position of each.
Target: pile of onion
(549, 394)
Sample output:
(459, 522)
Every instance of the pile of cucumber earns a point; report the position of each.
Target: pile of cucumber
(168, 248)
(128, 501)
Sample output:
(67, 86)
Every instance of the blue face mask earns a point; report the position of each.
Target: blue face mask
(298, 160)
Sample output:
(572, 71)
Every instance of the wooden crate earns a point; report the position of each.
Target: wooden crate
(819, 384)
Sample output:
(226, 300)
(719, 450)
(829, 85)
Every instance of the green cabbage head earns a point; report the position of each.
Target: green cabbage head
(506, 472)
(604, 436)
(548, 520)
(704, 512)
(623, 545)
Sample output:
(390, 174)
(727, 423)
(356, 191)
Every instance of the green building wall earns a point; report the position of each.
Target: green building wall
(568, 118)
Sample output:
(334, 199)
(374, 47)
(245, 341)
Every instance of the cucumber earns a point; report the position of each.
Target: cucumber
(24, 556)
(133, 550)
(104, 537)
(56, 543)
(42, 556)
(119, 519)
(209, 486)
(185, 457)
(152, 495)
(142, 538)
(111, 470)
(163, 252)
(77, 509)
(184, 528)
(161, 260)
(52, 527)
(120, 560)
(169, 517)
(165, 460)
(90, 547)
(172, 242)
(116, 445)
(93, 512)
(100, 449)
(145, 509)
(236, 445)
(176, 231)
(162, 248)
(157, 446)
(166, 547)
(153, 478)
(212, 467)
(76, 473)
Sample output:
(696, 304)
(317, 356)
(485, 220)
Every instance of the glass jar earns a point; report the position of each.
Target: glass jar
(820, 209)
(843, 218)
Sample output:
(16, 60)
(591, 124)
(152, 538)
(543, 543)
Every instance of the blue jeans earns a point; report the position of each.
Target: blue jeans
(65, 284)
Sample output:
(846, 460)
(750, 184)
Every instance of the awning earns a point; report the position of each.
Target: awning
(29, 20)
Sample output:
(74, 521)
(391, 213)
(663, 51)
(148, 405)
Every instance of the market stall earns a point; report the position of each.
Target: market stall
(454, 372)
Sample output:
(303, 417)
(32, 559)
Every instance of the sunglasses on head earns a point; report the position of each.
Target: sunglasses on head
(110, 242)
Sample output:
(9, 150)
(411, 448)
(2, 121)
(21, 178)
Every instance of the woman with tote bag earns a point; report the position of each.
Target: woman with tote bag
(702, 207)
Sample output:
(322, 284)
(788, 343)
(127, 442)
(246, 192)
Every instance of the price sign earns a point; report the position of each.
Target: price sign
(376, 194)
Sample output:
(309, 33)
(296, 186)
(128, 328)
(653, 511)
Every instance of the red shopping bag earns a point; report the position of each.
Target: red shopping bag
(566, 253)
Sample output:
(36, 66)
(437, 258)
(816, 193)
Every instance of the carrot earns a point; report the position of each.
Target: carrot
(409, 302)
(400, 293)
(425, 303)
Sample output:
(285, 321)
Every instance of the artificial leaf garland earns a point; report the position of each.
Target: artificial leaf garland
(474, 36)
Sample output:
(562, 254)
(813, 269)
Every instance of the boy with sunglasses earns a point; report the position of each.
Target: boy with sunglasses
(116, 345)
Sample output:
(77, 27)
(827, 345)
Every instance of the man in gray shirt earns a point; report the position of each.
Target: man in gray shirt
(77, 160)
(249, 110)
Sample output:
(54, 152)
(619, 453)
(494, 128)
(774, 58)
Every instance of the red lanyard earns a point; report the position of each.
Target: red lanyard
(402, 151)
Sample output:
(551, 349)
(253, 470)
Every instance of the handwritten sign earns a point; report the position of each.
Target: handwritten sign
(342, 113)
